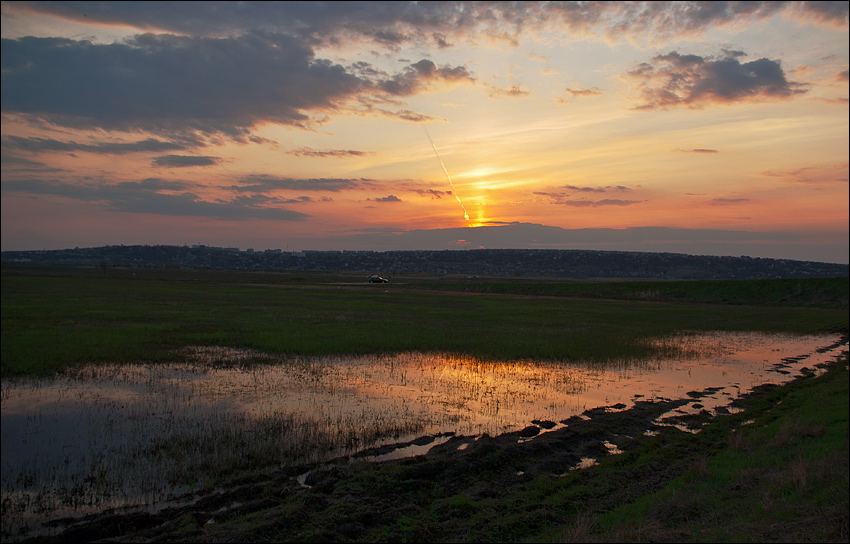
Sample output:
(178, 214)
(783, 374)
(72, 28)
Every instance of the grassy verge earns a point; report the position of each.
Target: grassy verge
(784, 477)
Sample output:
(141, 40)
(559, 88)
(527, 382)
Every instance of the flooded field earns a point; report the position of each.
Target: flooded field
(110, 436)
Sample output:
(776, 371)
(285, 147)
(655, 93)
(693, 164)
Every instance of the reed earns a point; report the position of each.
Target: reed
(115, 435)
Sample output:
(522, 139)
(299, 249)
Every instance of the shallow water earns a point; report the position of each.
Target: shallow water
(110, 436)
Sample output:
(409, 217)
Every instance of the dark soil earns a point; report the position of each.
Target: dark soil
(349, 499)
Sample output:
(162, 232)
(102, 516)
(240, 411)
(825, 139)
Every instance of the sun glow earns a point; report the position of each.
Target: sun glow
(483, 172)
(661, 124)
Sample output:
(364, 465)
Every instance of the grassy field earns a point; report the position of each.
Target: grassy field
(58, 321)
(778, 471)
(813, 292)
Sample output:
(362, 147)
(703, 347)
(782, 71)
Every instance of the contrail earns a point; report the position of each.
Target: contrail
(454, 191)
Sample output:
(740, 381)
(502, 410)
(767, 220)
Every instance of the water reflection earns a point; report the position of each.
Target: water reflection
(113, 435)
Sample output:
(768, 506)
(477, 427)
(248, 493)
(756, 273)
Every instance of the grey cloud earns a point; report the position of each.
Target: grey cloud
(189, 205)
(598, 203)
(674, 80)
(156, 184)
(170, 83)
(418, 75)
(237, 64)
(390, 23)
(388, 37)
(308, 152)
(299, 200)
(830, 13)
(433, 193)
(583, 92)
(19, 164)
(18, 161)
(440, 40)
(699, 151)
(190, 86)
(388, 198)
(39, 145)
(552, 195)
(662, 21)
(180, 161)
(262, 183)
(144, 197)
(598, 189)
(258, 199)
(564, 198)
(413, 116)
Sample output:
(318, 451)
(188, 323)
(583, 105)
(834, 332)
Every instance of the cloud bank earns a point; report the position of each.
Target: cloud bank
(222, 68)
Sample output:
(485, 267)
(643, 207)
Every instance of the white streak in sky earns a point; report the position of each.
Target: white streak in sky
(454, 191)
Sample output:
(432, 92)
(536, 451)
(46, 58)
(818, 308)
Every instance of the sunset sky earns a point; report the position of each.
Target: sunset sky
(716, 128)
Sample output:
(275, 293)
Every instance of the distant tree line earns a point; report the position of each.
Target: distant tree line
(494, 262)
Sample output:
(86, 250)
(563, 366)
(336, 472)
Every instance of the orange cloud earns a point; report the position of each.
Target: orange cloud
(835, 173)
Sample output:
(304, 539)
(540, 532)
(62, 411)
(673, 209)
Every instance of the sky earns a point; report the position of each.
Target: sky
(708, 128)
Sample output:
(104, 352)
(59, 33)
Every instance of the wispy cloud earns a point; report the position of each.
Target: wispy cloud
(727, 201)
(49, 145)
(514, 91)
(606, 189)
(182, 161)
(13, 164)
(565, 198)
(433, 193)
(831, 173)
(699, 151)
(262, 183)
(583, 92)
(145, 197)
(331, 153)
(598, 203)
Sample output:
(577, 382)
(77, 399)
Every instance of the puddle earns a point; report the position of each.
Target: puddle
(120, 435)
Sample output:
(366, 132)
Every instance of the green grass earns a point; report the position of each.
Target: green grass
(782, 478)
(51, 323)
(811, 292)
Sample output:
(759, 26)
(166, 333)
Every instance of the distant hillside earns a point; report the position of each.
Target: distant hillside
(492, 262)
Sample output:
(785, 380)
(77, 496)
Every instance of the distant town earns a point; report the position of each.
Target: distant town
(491, 262)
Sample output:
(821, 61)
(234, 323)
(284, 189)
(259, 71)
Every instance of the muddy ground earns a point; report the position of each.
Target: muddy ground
(350, 499)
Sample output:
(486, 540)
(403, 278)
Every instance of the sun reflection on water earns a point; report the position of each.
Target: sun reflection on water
(112, 435)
